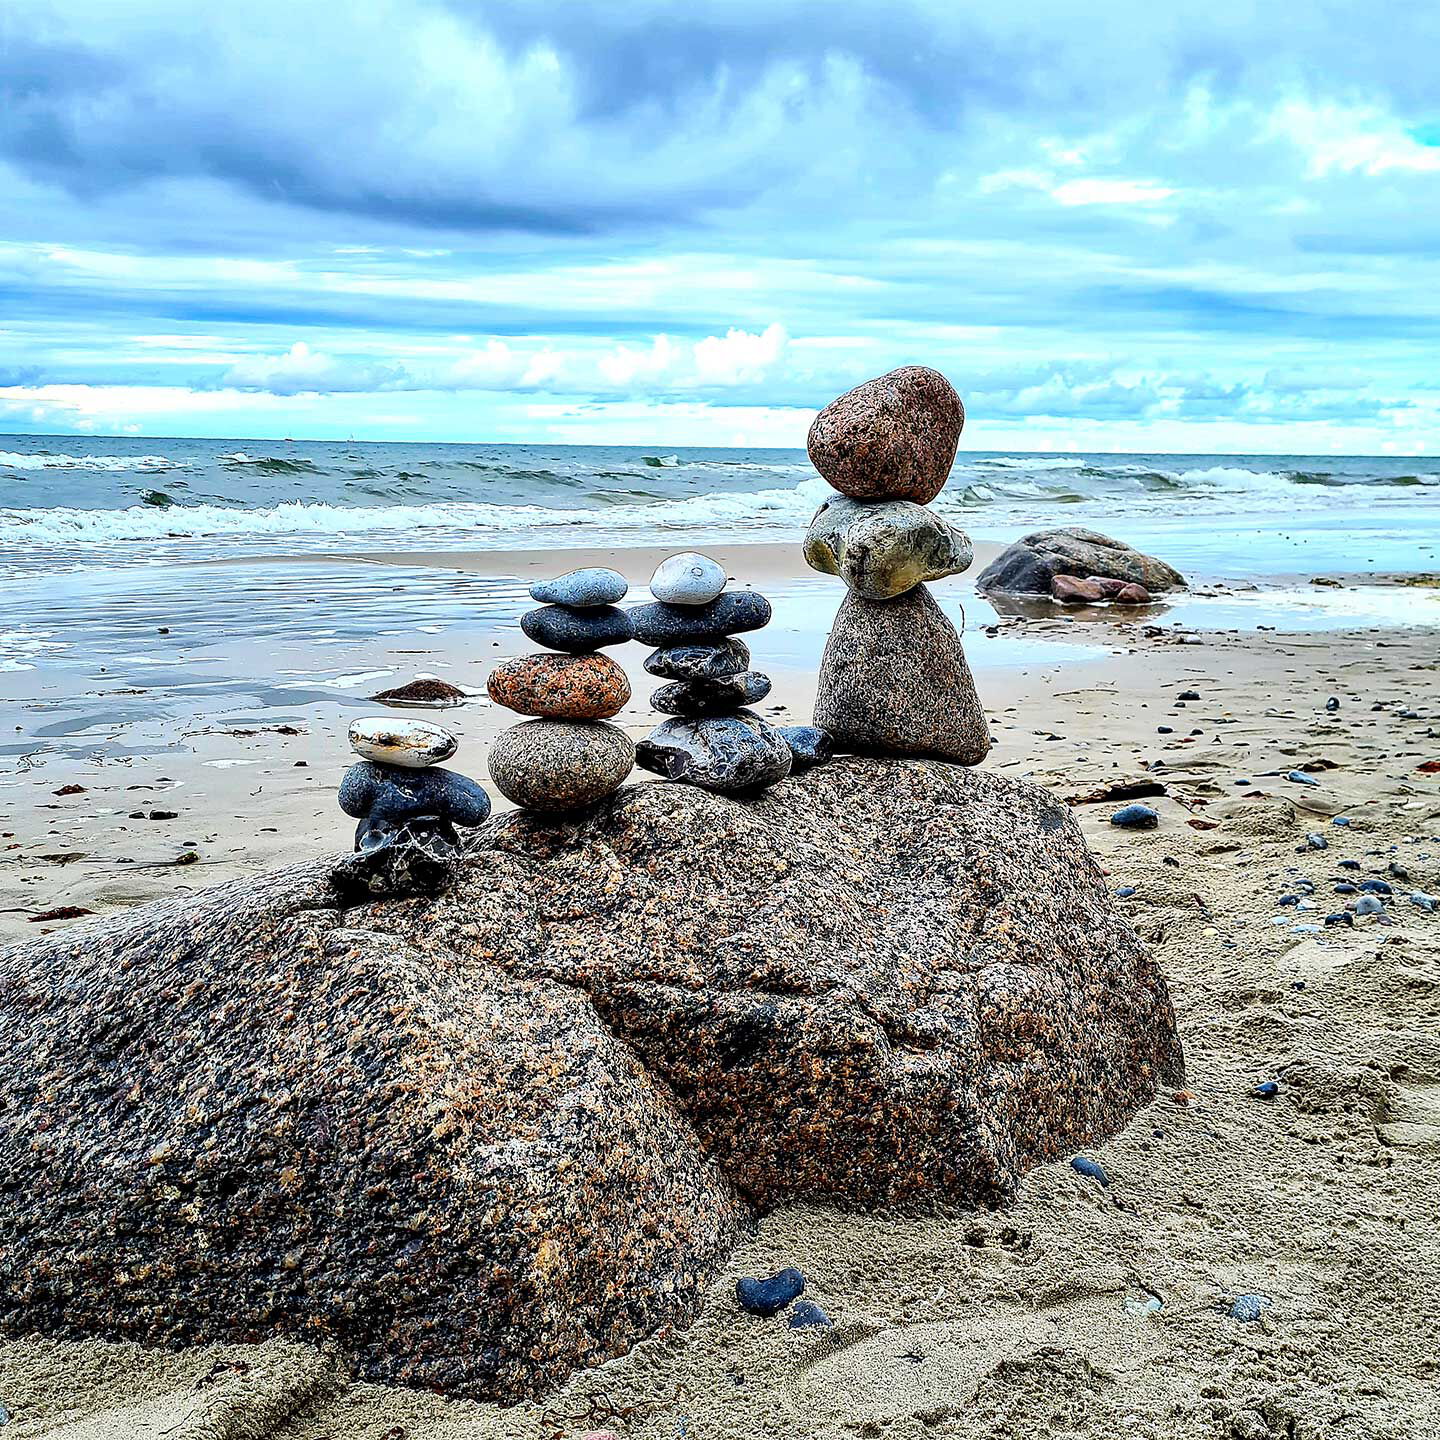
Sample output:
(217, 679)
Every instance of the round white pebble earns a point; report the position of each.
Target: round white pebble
(413, 744)
(687, 579)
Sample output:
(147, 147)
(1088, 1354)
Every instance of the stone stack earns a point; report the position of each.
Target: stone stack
(400, 795)
(894, 679)
(713, 741)
(567, 757)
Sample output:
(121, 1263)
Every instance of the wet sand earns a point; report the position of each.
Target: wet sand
(1042, 1319)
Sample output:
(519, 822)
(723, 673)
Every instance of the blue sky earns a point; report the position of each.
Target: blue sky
(1134, 226)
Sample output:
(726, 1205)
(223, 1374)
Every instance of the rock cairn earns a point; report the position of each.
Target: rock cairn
(713, 740)
(567, 757)
(399, 794)
(894, 679)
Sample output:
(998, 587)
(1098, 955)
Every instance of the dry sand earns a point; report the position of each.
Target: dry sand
(1034, 1321)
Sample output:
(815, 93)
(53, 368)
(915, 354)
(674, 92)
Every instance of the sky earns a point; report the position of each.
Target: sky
(1132, 226)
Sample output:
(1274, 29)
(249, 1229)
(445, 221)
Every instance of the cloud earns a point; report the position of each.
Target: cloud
(301, 370)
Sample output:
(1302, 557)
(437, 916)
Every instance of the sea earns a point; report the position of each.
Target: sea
(255, 551)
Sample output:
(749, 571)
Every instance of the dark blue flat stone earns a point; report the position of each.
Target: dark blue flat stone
(809, 744)
(390, 792)
(702, 660)
(729, 614)
(557, 627)
(1092, 1168)
(769, 1297)
(711, 697)
(807, 1315)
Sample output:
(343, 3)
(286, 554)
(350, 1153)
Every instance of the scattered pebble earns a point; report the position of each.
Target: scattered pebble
(1341, 820)
(1092, 1168)
(1189, 695)
(769, 1297)
(1332, 703)
(1249, 1307)
(1370, 905)
(1375, 887)
(1266, 1090)
(1427, 903)
(1317, 842)
(1125, 892)
(1299, 777)
(1340, 917)
(807, 1315)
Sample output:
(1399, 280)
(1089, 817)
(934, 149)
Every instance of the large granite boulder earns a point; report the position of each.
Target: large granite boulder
(477, 1139)
(1030, 565)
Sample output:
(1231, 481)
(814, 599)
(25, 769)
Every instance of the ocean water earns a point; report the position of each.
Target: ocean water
(150, 583)
(67, 505)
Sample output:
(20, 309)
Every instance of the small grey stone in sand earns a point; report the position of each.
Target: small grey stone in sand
(710, 697)
(809, 744)
(894, 680)
(882, 548)
(1249, 1307)
(1299, 777)
(724, 753)
(394, 740)
(728, 614)
(558, 627)
(581, 589)
(556, 765)
(1316, 842)
(700, 660)
(769, 1297)
(1369, 905)
(687, 579)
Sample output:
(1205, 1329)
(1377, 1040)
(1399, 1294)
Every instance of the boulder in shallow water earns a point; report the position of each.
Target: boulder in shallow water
(476, 1141)
(1030, 565)
(894, 681)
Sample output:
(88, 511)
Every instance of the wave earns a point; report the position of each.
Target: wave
(62, 526)
(1031, 462)
(273, 464)
(43, 460)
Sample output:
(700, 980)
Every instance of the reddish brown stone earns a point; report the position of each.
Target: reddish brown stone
(561, 687)
(892, 438)
(1072, 591)
(1109, 586)
(1132, 595)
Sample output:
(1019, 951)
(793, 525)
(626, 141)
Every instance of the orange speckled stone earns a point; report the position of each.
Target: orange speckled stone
(561, 687)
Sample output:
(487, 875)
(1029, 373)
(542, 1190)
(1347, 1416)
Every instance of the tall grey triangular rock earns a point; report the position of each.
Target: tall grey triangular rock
(895, 681)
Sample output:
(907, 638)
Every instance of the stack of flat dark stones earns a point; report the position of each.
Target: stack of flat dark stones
(894, 679)
(400, 795)
(714, 740)
(567, 757)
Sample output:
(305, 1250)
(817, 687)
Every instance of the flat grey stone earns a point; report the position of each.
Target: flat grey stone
(581, 589)
(700, 660)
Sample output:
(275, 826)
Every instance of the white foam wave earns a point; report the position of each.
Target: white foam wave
(1031, 462)
(14, 460)
(61, 526)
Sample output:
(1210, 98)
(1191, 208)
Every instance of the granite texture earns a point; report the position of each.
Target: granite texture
(892, 438)
(1030, 565)
(561, 687)
(560, 764)
(472, 1141)
(894, 681)
(882, 548)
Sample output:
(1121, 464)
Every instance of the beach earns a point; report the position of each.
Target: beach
(1044, 1317)
(1084, 1308)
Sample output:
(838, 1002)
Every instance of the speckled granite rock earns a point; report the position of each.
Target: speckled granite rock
(882, 548)
(894, 681)
(560, 764)
(476, 1140)
(1030, 565)
(561, 687)
(240, 1118)
(892, 438)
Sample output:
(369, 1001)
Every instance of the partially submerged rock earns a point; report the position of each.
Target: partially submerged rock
(427, 690)
(1030, 565)
(477, 1140)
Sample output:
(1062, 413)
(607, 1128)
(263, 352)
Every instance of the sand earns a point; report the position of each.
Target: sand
(1040, 1320)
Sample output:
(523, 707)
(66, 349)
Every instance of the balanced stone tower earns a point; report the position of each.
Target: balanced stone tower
(713, 741)
(894, 680)
(568, 757)
(400, 795)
